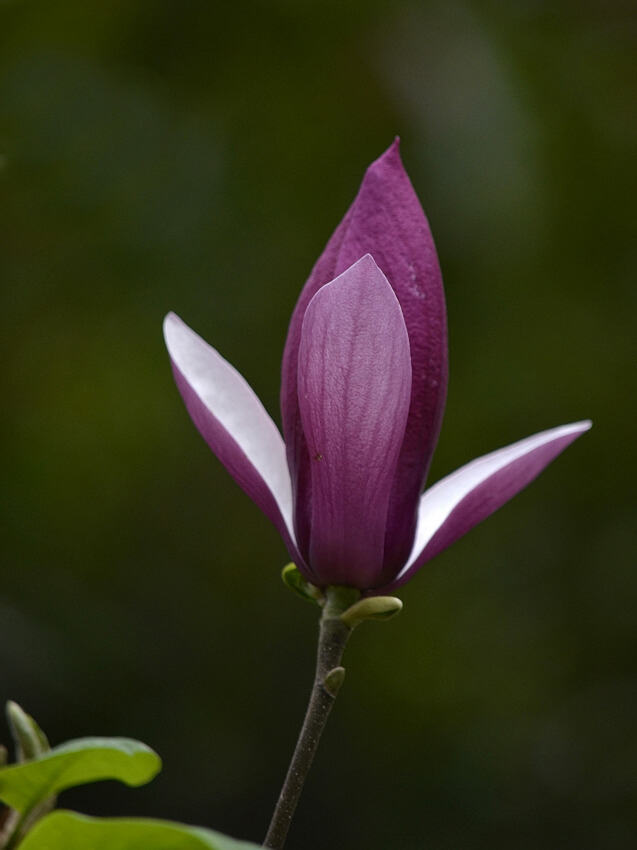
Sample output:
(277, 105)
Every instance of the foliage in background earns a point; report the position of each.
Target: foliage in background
(30, 788)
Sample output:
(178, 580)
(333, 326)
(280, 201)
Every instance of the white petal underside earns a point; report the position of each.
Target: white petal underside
(461, 500)
(231, 419)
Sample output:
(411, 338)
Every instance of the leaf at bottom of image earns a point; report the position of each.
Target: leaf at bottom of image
(63, 830)
(23, 786)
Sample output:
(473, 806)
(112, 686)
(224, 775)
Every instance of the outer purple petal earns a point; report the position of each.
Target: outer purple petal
(354, 380)
(463, 499)
(387, 221)
(234, 423)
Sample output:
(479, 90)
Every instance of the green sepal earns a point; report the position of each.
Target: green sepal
(371, 608)
(24, 786)
(293, 579)
(63, 830)
(30, 740)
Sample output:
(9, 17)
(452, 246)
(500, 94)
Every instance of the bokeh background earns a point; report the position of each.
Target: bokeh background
(195, 155)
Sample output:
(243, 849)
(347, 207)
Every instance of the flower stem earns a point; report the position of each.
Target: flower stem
(333, 636)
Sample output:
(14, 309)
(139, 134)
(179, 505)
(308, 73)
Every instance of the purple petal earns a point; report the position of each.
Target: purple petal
(234, 423)
(386, 221)
(463, 499)
(354, 379)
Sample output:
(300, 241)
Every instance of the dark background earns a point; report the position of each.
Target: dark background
(196, 155)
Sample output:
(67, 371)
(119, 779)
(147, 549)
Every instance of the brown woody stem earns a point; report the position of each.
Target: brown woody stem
(333, 636)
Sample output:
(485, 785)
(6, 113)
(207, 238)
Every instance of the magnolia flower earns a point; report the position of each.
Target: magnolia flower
(363, 390)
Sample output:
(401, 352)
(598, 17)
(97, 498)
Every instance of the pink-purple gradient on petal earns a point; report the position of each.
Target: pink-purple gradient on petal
(354, 387)
(362, 396)
(386, 221)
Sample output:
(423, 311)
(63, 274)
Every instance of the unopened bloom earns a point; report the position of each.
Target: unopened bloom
(363, 390)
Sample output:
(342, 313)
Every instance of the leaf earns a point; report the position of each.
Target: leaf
(23, 786)
(64, 830)
(30, 740)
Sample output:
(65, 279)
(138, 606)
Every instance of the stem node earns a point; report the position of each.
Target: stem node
(333, 681)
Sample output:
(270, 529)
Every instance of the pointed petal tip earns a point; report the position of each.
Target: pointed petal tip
(574, 428)
(389, 157)
(168, 325)
(366, 263)
(584, 425)
(171, 323)
(364, 272)
(178, 337)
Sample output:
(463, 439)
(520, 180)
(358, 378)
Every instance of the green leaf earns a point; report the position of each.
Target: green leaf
(65, 830)
(23, 786)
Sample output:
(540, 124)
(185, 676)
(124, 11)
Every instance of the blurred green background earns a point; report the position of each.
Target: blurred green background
(195, 155)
